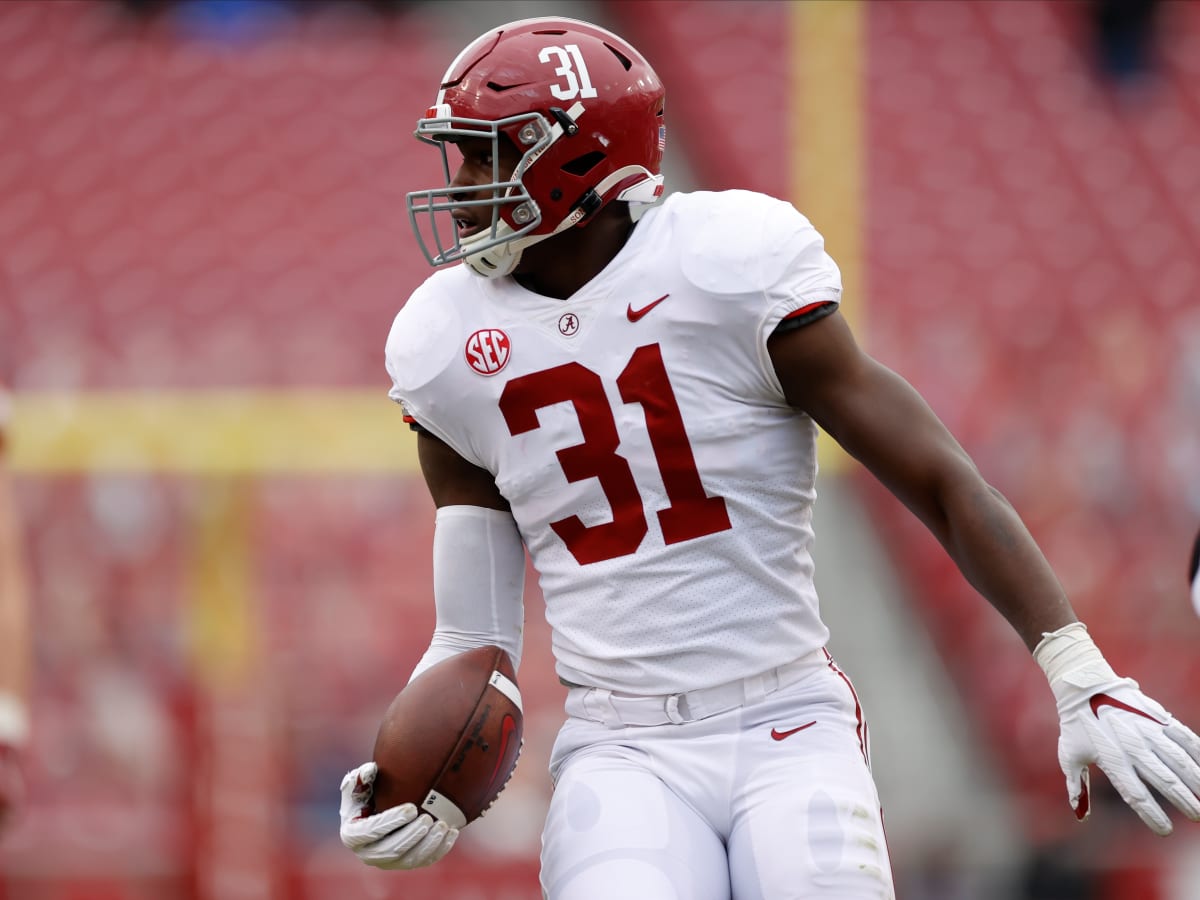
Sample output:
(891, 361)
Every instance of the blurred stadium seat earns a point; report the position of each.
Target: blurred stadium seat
(189, 208)
(183, 212)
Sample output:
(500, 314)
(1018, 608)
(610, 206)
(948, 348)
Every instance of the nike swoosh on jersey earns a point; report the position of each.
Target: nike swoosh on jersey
(1099, 700)
(635, 314)
(780, 735)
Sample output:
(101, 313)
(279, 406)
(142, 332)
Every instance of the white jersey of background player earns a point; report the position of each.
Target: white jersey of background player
(637, 405)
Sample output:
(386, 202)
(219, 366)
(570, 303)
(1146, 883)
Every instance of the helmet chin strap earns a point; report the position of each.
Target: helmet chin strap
(502, 259)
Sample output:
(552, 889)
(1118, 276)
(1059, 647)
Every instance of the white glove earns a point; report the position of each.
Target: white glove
(396, 838)
(1108, 721)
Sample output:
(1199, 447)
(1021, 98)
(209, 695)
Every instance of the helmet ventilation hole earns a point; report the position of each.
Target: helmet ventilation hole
(501, 88)
(625, 60)
(581, 165)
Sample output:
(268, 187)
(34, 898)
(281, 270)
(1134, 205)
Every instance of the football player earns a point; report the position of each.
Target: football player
(1194, 574)
(636, 403)
(14, 640)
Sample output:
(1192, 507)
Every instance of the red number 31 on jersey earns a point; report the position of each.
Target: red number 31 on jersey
(691, 513)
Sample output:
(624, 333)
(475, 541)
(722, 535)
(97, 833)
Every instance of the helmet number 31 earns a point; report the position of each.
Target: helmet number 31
(572, 68)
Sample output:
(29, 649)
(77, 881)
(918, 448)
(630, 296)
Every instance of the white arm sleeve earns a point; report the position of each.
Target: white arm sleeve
(478, 583)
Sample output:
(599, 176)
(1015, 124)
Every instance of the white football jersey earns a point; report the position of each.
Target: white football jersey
(660, 481)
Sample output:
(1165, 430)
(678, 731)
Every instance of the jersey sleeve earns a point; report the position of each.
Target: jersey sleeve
(761, 265)
(805, 315)
(756, 246)
(416, 356)
(808, 283)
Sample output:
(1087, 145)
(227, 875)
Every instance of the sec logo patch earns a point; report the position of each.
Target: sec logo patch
(488, 351)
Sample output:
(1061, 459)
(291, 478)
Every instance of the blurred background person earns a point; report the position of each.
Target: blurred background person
(1126, 35)
(1194, 574)
(15, 637)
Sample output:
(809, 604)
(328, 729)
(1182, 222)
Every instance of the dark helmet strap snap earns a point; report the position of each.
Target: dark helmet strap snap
(568, 124)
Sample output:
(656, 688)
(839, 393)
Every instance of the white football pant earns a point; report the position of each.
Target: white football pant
(772, 799)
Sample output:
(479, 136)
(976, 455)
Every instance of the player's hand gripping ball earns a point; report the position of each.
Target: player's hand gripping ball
(449, 742)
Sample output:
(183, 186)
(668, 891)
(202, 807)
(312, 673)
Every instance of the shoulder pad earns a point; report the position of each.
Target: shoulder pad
(419, 344)
(734, 242)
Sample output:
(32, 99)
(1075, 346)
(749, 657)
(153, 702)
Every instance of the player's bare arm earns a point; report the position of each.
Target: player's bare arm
(881, 420)
(453, 481)
(884, 423)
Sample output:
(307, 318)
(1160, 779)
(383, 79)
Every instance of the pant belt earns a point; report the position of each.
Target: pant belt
(615, 709)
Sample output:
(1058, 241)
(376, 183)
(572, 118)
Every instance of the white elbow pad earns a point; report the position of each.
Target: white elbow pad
(478, 583)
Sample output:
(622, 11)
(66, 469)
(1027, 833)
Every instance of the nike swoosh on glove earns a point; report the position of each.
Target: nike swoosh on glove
(1108, 721)
(397, 838)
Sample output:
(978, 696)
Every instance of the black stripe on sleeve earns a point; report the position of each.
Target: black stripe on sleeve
(805, 316)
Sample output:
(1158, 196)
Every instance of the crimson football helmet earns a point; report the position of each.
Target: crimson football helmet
(583, 108)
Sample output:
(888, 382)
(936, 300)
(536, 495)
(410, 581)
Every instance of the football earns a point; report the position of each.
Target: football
(449, 741)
